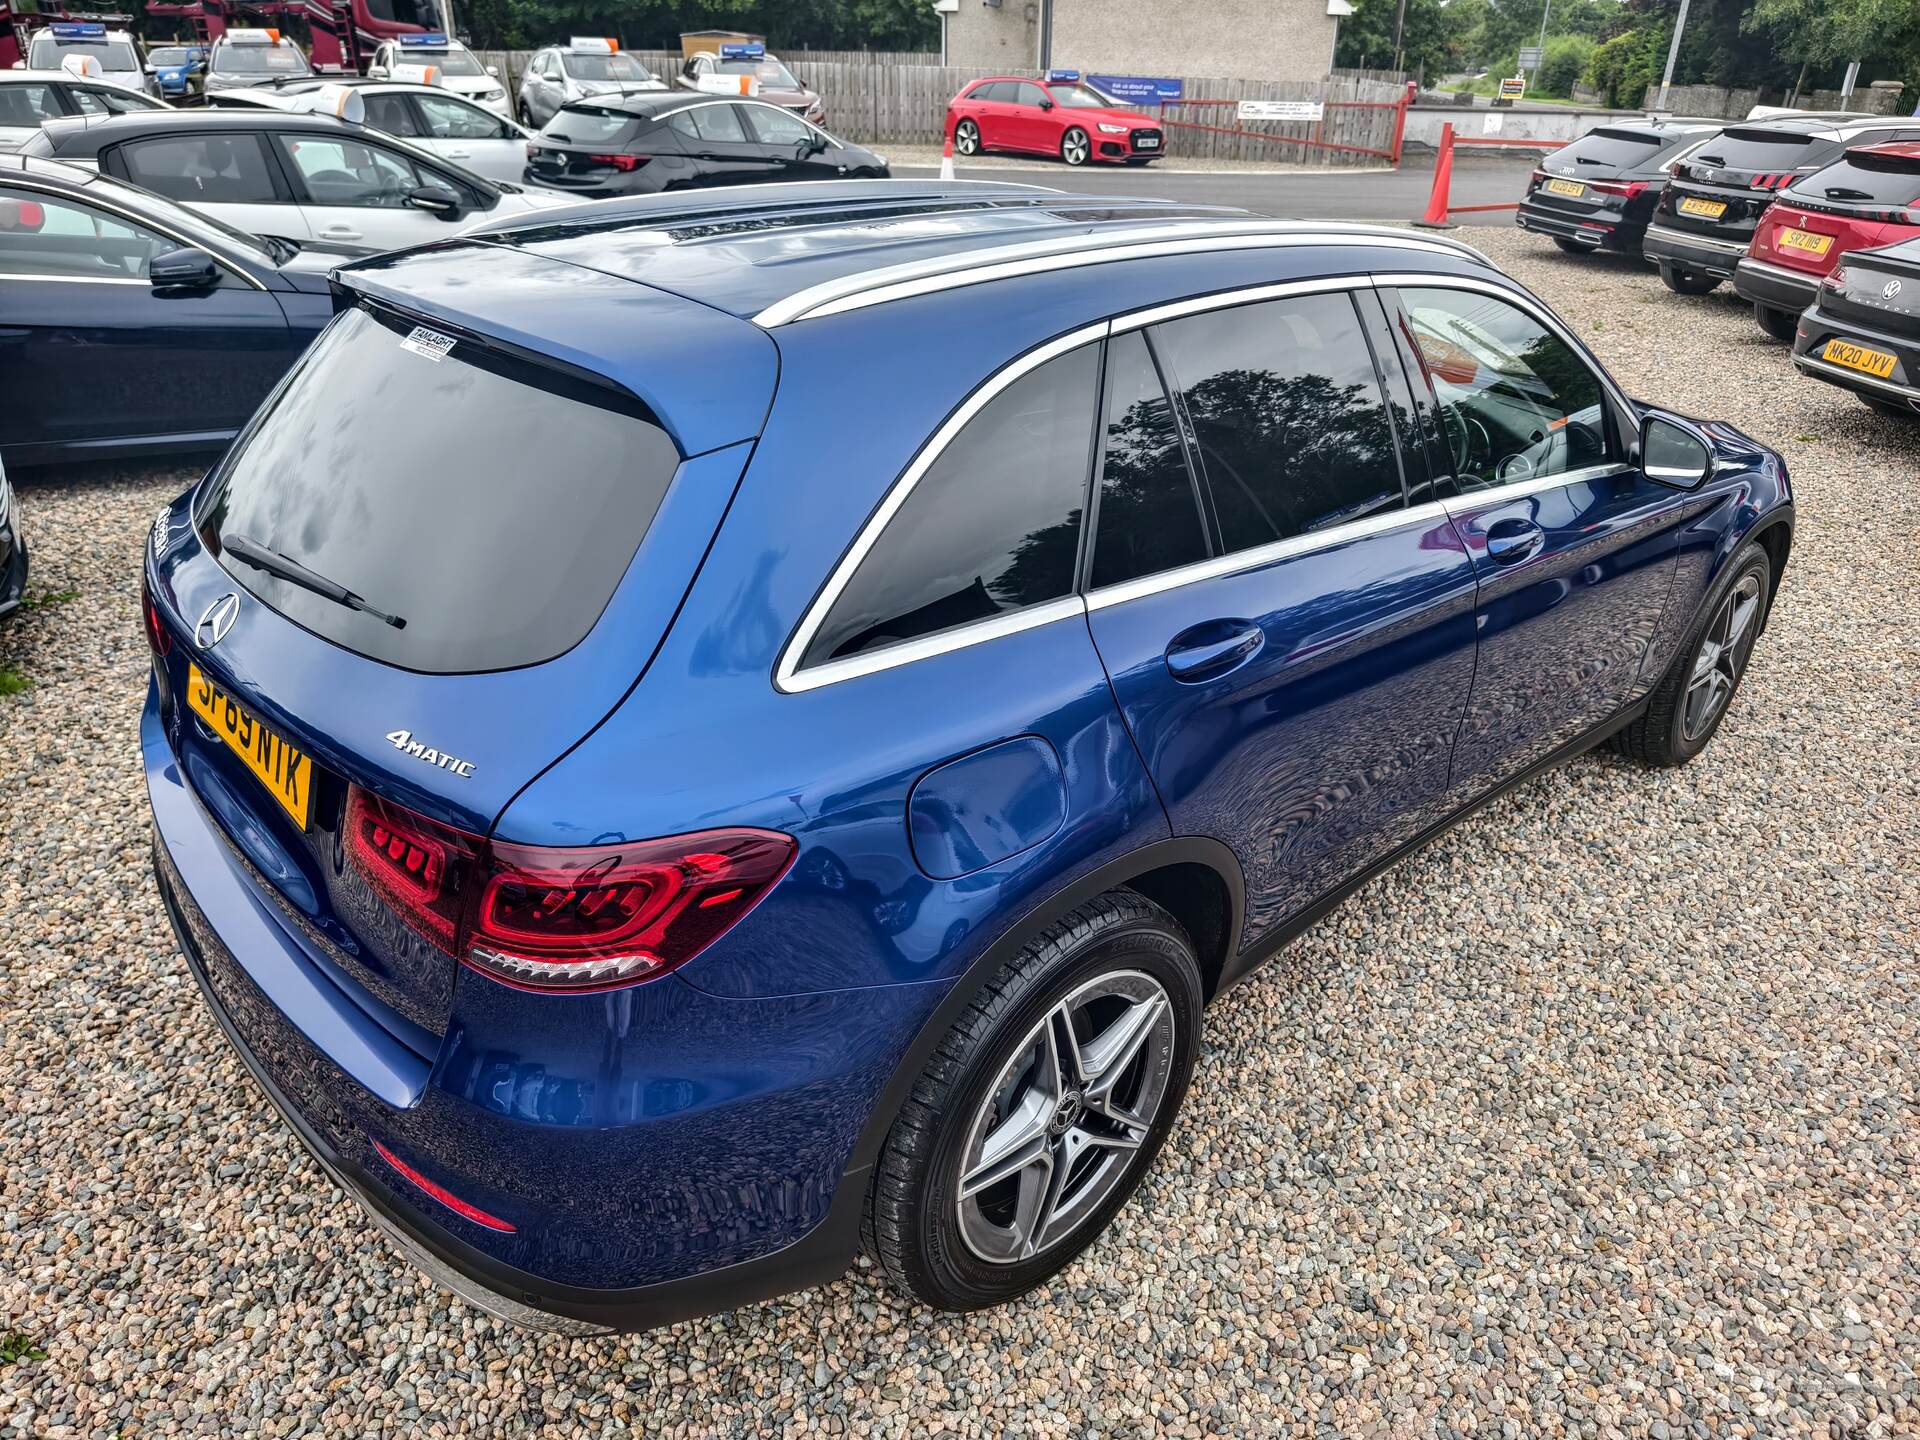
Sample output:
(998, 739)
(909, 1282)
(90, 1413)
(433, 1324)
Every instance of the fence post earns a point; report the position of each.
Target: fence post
(1400, 123)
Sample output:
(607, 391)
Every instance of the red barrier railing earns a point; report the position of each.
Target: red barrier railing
(1391, 154)
(1438, 208)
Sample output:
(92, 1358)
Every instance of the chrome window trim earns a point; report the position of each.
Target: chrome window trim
(1228, 299)
(226, 261)
(973, 267)
(76, 279)
(789, 678)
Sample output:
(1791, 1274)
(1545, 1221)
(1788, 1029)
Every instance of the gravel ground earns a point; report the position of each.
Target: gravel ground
(1598, 1118)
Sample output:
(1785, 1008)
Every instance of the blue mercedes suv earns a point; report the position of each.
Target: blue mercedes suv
(690, 738)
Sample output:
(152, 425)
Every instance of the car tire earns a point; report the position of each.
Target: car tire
(966, 138)
(1076, 147)
(1675, 726)
(1895, 408)
(1117, 968)
(1686, 282)
(1780, 324)
(1574, 247)
(526, 117)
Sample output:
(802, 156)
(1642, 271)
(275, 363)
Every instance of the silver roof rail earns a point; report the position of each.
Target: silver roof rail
(1065, 252)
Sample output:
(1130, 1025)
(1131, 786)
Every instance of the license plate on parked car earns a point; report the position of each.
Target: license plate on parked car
(1147, 142)
(1572, 189)
(282, 768)
(1805, 240)
(1705, 209)
(1858, 357)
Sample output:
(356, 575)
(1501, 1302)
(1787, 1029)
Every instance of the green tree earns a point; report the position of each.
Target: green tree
(1366, 36)
(1565, 60)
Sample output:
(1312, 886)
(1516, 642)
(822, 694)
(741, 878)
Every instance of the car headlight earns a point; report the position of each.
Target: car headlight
(1106, 129)
(494, 94)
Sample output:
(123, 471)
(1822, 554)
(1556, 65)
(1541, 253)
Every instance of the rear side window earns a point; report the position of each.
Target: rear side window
(1149, 510)
(27, 105)
(992, 526)
(207, 169)
(586, 125)
(1288, 414)
(1863, 179)
(108, 102)
(1617, 149)
(497, 533)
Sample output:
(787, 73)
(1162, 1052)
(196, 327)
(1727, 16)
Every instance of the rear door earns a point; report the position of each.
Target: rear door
(794, 149)
(473, 138)
(723, 149)
(89, 351)
(1574, 548)
(354, 192)
(228, 173)
(1290, 641)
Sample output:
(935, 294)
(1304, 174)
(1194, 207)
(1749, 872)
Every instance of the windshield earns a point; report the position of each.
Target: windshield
(498, 532)
(49, 51)
(170, 55)
(604, 67)
(451, 62)
(259, 60)
(1079, 97)
(771, 73)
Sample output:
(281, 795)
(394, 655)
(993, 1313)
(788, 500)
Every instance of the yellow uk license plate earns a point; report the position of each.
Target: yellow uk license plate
(1858, 357)
(282, 768)
(1805, 240)
(1572, 189)
(1705, 209)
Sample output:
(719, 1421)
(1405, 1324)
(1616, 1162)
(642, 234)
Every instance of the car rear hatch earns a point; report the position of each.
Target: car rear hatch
(1870, 197)
(436, 560)
(587, 145)
(1722, 190)
(1584, 181)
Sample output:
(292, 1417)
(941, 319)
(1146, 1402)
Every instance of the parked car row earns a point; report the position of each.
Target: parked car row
(1812, 217)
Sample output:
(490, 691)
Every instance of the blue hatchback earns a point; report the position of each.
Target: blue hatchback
(688, 740)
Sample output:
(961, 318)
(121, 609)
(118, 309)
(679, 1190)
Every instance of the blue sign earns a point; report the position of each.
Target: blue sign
(1138, 89)
(79, 31)
(432, 40)
(1063, 77)
(742, 51)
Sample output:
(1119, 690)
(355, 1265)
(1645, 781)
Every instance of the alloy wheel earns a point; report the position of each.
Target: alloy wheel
(1075, 147)
(1057, 1132)
(966, 138)
(1723, 655)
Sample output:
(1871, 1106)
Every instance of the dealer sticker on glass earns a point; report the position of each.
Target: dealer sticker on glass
(430, 343)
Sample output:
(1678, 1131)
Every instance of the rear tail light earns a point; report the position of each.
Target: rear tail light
(158, 640)
(569, 919)
(1627, 189)
(1836, 279)
(621, 162)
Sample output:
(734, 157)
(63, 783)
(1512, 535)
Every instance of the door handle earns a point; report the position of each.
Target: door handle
(1512, 540)
(458, 154)
(341, 232)
(1211, 649)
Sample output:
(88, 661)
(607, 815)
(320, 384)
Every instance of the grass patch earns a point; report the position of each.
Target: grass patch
(12, 682)
(14, 1346)
(47, 599)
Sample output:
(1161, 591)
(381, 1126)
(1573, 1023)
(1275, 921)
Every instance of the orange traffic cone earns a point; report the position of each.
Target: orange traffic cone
(946, 159)
(1436, 216)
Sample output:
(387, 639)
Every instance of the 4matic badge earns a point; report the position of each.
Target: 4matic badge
(403, 741)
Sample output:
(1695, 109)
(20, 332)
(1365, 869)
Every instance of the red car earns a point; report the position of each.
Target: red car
(1058, 116)
(1868, 198)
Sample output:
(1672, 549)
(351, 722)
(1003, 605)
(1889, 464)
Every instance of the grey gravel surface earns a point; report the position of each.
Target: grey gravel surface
(1597, 1118)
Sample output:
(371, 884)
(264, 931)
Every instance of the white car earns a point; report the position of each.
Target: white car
(450, 126)
(313, 179)
(585, 65)
(459, 72)
(114, 51)
(241, 59)
(30, 98)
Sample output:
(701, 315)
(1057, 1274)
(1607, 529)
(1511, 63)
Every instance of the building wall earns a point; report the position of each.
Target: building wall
(1228, 39)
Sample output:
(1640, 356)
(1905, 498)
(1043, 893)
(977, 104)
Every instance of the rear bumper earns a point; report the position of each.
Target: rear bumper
(1700, 253)
(713, 1188)
(1774, 285)
(1899, 388)
(1604, 234)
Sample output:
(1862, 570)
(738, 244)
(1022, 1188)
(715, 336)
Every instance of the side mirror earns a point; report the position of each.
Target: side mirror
(494, 71)
(435, 200)
(1674, 452)
(1046, 104)
(181, 270)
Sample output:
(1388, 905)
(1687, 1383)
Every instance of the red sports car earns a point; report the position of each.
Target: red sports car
(1058, 116)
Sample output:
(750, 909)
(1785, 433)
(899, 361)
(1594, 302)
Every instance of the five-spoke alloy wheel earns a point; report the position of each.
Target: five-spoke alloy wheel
(1075, 147)
(966, 138)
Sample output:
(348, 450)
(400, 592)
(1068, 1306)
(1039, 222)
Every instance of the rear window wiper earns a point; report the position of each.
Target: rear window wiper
(1845, 192)
(251, 552)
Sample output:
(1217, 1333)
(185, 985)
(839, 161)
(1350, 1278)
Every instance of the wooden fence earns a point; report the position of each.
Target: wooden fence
(879, 98)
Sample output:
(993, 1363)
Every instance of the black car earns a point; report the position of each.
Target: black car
(1599, 192)
(1862, 331)
(134, 326)
(1713, 203)
(642, 144)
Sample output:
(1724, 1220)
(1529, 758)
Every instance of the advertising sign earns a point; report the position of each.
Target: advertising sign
(1138, 89)
(1313, 110)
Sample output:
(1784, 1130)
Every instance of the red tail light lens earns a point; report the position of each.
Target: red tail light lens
(621, 162)
(1836, 279)
(552, 918)
(158, 640)
(1625, 188)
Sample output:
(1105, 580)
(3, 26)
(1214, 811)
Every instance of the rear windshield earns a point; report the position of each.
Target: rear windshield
(1760, 150)
(591, 125)
(490, 504)
(1619, 149)
(259, 60)
(1861, 179)
(48, 52)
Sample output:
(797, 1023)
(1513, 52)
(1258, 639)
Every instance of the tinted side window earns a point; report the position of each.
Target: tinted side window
(1149, 512)
(347, 172)
(1287, 411)
(391, 113)
(108, 102)
(450, 119)
(210, 169)
(55, 238)
(1515, 400)
(998, 90)
(775, 127)
(1028, 95)
(992, 526)
(719, 123)
(27, 105)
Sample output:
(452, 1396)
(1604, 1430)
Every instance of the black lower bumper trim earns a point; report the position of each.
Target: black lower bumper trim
(817, 1258)
(1764, 286)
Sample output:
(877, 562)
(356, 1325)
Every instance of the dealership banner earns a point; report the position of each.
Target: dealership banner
(1282, 110)
(1138, 89)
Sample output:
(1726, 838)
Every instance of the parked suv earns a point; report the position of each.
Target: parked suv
(1599, 192)
(584, 66)
(1868, 198)
(1712, 206)
(789, 753)
(111, 55)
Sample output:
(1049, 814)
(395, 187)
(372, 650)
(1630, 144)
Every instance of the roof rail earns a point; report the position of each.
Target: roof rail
(975, 267)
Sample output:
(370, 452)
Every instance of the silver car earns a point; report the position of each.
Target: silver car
(585, 65)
